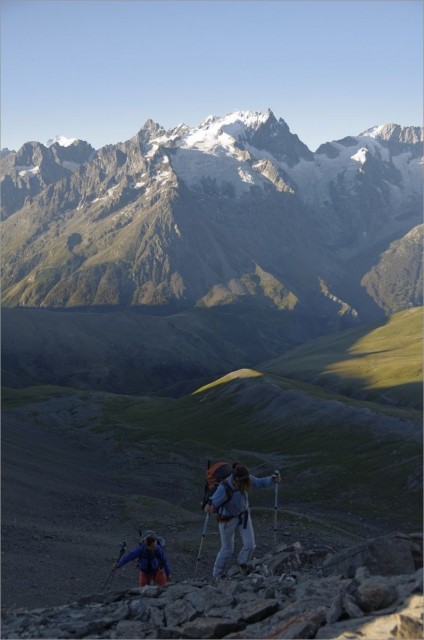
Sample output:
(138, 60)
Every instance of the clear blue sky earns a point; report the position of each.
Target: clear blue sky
(98, 69)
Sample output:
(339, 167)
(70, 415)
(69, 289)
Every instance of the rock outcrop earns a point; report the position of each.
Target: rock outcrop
(386, 556)
(283, 596)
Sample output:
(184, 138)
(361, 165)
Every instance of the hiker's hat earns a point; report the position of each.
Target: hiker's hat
(152, 534)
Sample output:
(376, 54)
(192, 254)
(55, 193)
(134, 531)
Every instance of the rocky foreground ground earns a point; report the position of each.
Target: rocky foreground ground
(373, 590)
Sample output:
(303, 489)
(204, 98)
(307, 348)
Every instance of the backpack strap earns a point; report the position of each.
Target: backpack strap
(228, 490)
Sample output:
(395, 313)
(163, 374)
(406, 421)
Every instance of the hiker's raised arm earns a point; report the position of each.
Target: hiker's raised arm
(267, 481)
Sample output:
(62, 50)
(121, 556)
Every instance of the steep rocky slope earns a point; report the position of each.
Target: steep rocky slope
(284, 596)
(83, 471)
(396, 282)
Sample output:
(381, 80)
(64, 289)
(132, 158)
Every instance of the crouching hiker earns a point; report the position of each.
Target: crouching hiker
(152, 562)
(231, 504)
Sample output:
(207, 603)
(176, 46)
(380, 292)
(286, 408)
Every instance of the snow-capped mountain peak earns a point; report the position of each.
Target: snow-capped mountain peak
(395, 133)
(220, 135)
(250, 119)
(222, 131)
(227, 150)
(61, 140)
(374, 132)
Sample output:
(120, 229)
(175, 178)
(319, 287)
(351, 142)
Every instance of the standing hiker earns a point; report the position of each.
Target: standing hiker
(152, 562)
(231, 504)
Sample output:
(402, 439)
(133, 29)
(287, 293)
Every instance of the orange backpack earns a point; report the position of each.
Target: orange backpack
(215, 474)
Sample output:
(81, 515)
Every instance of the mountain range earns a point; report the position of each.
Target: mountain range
(215, 292)
(235, 211)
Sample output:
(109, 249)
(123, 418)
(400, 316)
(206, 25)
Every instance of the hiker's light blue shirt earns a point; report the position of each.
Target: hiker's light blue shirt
(239, 502)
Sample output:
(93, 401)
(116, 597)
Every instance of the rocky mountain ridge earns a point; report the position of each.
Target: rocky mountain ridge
(34, 167)
(235, 209)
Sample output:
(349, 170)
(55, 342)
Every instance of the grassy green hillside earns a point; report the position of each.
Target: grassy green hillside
(340, 454)
(305, 413)
(381, 363)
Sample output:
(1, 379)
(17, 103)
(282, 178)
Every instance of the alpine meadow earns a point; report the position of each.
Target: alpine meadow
(208, 293)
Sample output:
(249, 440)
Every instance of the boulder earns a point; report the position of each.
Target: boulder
(375, 594)
(385, 556)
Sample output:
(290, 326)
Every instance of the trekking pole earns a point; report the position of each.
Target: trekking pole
(276, 473)
(201, 542)
(204, 528)
(108, 582)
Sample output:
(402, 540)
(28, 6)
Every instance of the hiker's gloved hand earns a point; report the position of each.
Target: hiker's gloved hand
(276, 476)
(209, 508)
(116, 565)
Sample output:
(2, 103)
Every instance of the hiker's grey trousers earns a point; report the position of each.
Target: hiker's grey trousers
(227, 532)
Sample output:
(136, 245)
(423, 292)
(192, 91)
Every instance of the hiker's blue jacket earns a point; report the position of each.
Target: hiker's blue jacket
(239, 501)
(148, 561)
